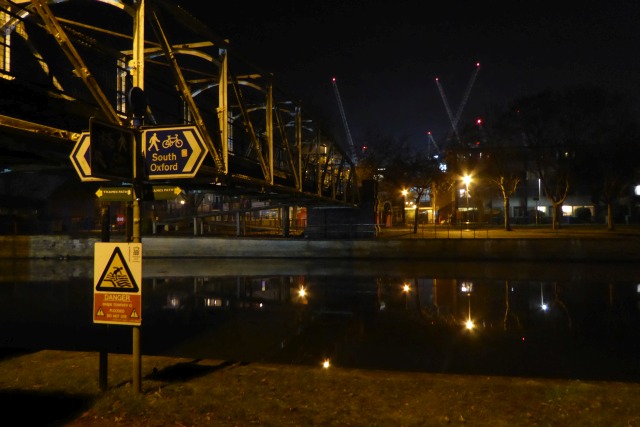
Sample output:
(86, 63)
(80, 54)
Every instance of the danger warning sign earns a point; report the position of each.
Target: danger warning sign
(117, 274)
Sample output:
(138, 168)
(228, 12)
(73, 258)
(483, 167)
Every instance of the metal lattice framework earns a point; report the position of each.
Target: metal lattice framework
(64, 62)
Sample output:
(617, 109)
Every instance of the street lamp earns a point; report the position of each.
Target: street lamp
(404, 205)
(406, 288)
(537, 199)
(467, 179)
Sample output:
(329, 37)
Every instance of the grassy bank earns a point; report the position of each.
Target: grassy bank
(61, 388)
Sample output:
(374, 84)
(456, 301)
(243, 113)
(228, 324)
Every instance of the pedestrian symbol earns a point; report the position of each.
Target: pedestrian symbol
(153, 142)
(116, 275)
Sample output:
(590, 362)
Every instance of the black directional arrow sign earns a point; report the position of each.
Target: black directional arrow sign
(112, 151)
(173, 152)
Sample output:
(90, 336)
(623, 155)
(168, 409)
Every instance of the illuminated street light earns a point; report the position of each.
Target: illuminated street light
(406, 288)
(467, 179)
(303, 296)
(404, 204)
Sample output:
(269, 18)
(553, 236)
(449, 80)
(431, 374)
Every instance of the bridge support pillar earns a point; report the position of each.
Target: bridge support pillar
(239, 224)
(285, 221)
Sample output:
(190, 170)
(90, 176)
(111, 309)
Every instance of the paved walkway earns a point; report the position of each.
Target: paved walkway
(482, 231)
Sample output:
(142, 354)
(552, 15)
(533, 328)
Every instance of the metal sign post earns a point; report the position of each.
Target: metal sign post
(135, 238)
(138, 103)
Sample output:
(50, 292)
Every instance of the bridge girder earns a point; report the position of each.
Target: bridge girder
(76, 60)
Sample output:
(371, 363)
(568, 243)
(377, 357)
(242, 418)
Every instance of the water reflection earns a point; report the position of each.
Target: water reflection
(572, 322)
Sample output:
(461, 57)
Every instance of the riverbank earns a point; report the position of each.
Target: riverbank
(61, 388)
(575, 244)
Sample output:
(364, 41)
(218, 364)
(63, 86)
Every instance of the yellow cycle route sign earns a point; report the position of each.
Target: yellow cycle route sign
(117, 277)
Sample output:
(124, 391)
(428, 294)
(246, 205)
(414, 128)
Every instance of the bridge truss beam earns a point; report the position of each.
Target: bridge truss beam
(79, 60)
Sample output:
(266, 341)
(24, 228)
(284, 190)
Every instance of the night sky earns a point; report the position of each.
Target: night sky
(386, 56)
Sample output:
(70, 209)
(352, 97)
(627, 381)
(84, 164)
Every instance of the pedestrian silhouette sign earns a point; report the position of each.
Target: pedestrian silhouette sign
(112, 150)
(117, 283)
(172, 152)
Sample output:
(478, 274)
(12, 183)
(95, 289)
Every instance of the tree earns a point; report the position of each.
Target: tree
(396, 166)
(588, 137)
(576, 139)
(616, 168)
(553, 125)
(377, 153)
(503, 158)
(420, 173)
(507, 185)
(609, 162)
(441, 183)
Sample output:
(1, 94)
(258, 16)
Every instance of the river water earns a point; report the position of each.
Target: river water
(579, 321)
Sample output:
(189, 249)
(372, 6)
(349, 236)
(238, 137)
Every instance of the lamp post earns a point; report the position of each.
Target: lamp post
(467, 179)
(404, 205)
(537, 199)
(406, 288)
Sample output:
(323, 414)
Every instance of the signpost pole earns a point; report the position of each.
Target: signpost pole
(104, 352)
(137, 354)
(138, 105)
(98, 144)
(135, 238)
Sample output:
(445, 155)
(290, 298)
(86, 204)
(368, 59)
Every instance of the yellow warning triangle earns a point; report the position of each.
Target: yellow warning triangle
(134, 314)
(117, 276)
(100, 312)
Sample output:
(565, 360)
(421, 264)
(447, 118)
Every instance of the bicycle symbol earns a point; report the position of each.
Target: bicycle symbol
(171, 141)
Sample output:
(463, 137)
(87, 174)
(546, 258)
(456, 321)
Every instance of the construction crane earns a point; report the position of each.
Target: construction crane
(352, 147)
(431, 142)
(454, 120)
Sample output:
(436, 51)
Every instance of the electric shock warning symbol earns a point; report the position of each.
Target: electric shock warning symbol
(117, 276)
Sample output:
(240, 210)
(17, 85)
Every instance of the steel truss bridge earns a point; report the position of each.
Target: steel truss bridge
(63, 62)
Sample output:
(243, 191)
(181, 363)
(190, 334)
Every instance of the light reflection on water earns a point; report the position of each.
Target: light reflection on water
(568, 321)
